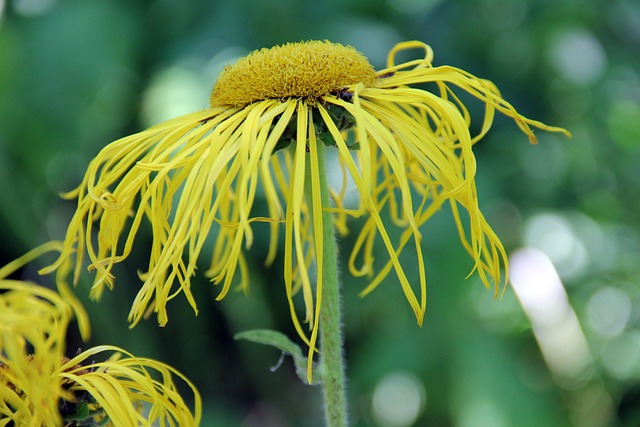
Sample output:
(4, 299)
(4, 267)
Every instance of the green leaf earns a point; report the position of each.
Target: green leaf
(284, 344)
(81, 412)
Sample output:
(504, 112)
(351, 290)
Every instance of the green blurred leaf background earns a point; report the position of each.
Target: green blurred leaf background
(77, 74)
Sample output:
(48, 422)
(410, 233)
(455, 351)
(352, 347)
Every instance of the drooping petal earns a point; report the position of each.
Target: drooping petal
(131, 390)
(33, 324)
(37, 383)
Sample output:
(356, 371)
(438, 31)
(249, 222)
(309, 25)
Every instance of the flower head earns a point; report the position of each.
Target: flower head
(195, 178)
(40, 386)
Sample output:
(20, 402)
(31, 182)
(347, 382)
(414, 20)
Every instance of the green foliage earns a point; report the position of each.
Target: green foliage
(285, 345)
(75, 75)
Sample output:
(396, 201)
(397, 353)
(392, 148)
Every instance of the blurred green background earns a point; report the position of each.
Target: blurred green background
(562, 351)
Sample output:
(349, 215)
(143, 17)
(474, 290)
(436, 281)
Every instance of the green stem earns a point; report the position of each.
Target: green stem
(331, 360)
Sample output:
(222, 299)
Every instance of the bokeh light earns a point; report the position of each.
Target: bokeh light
(555, 236)
(578, 56)
(554, 321)
(609, 311)
(398, 399)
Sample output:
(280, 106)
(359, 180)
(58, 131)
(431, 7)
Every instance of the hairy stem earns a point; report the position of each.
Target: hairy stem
(331, 358)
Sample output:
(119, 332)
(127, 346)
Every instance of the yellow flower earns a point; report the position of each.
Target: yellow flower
(39, 386)
(196, 178)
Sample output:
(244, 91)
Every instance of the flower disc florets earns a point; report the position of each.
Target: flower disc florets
(295, 70)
